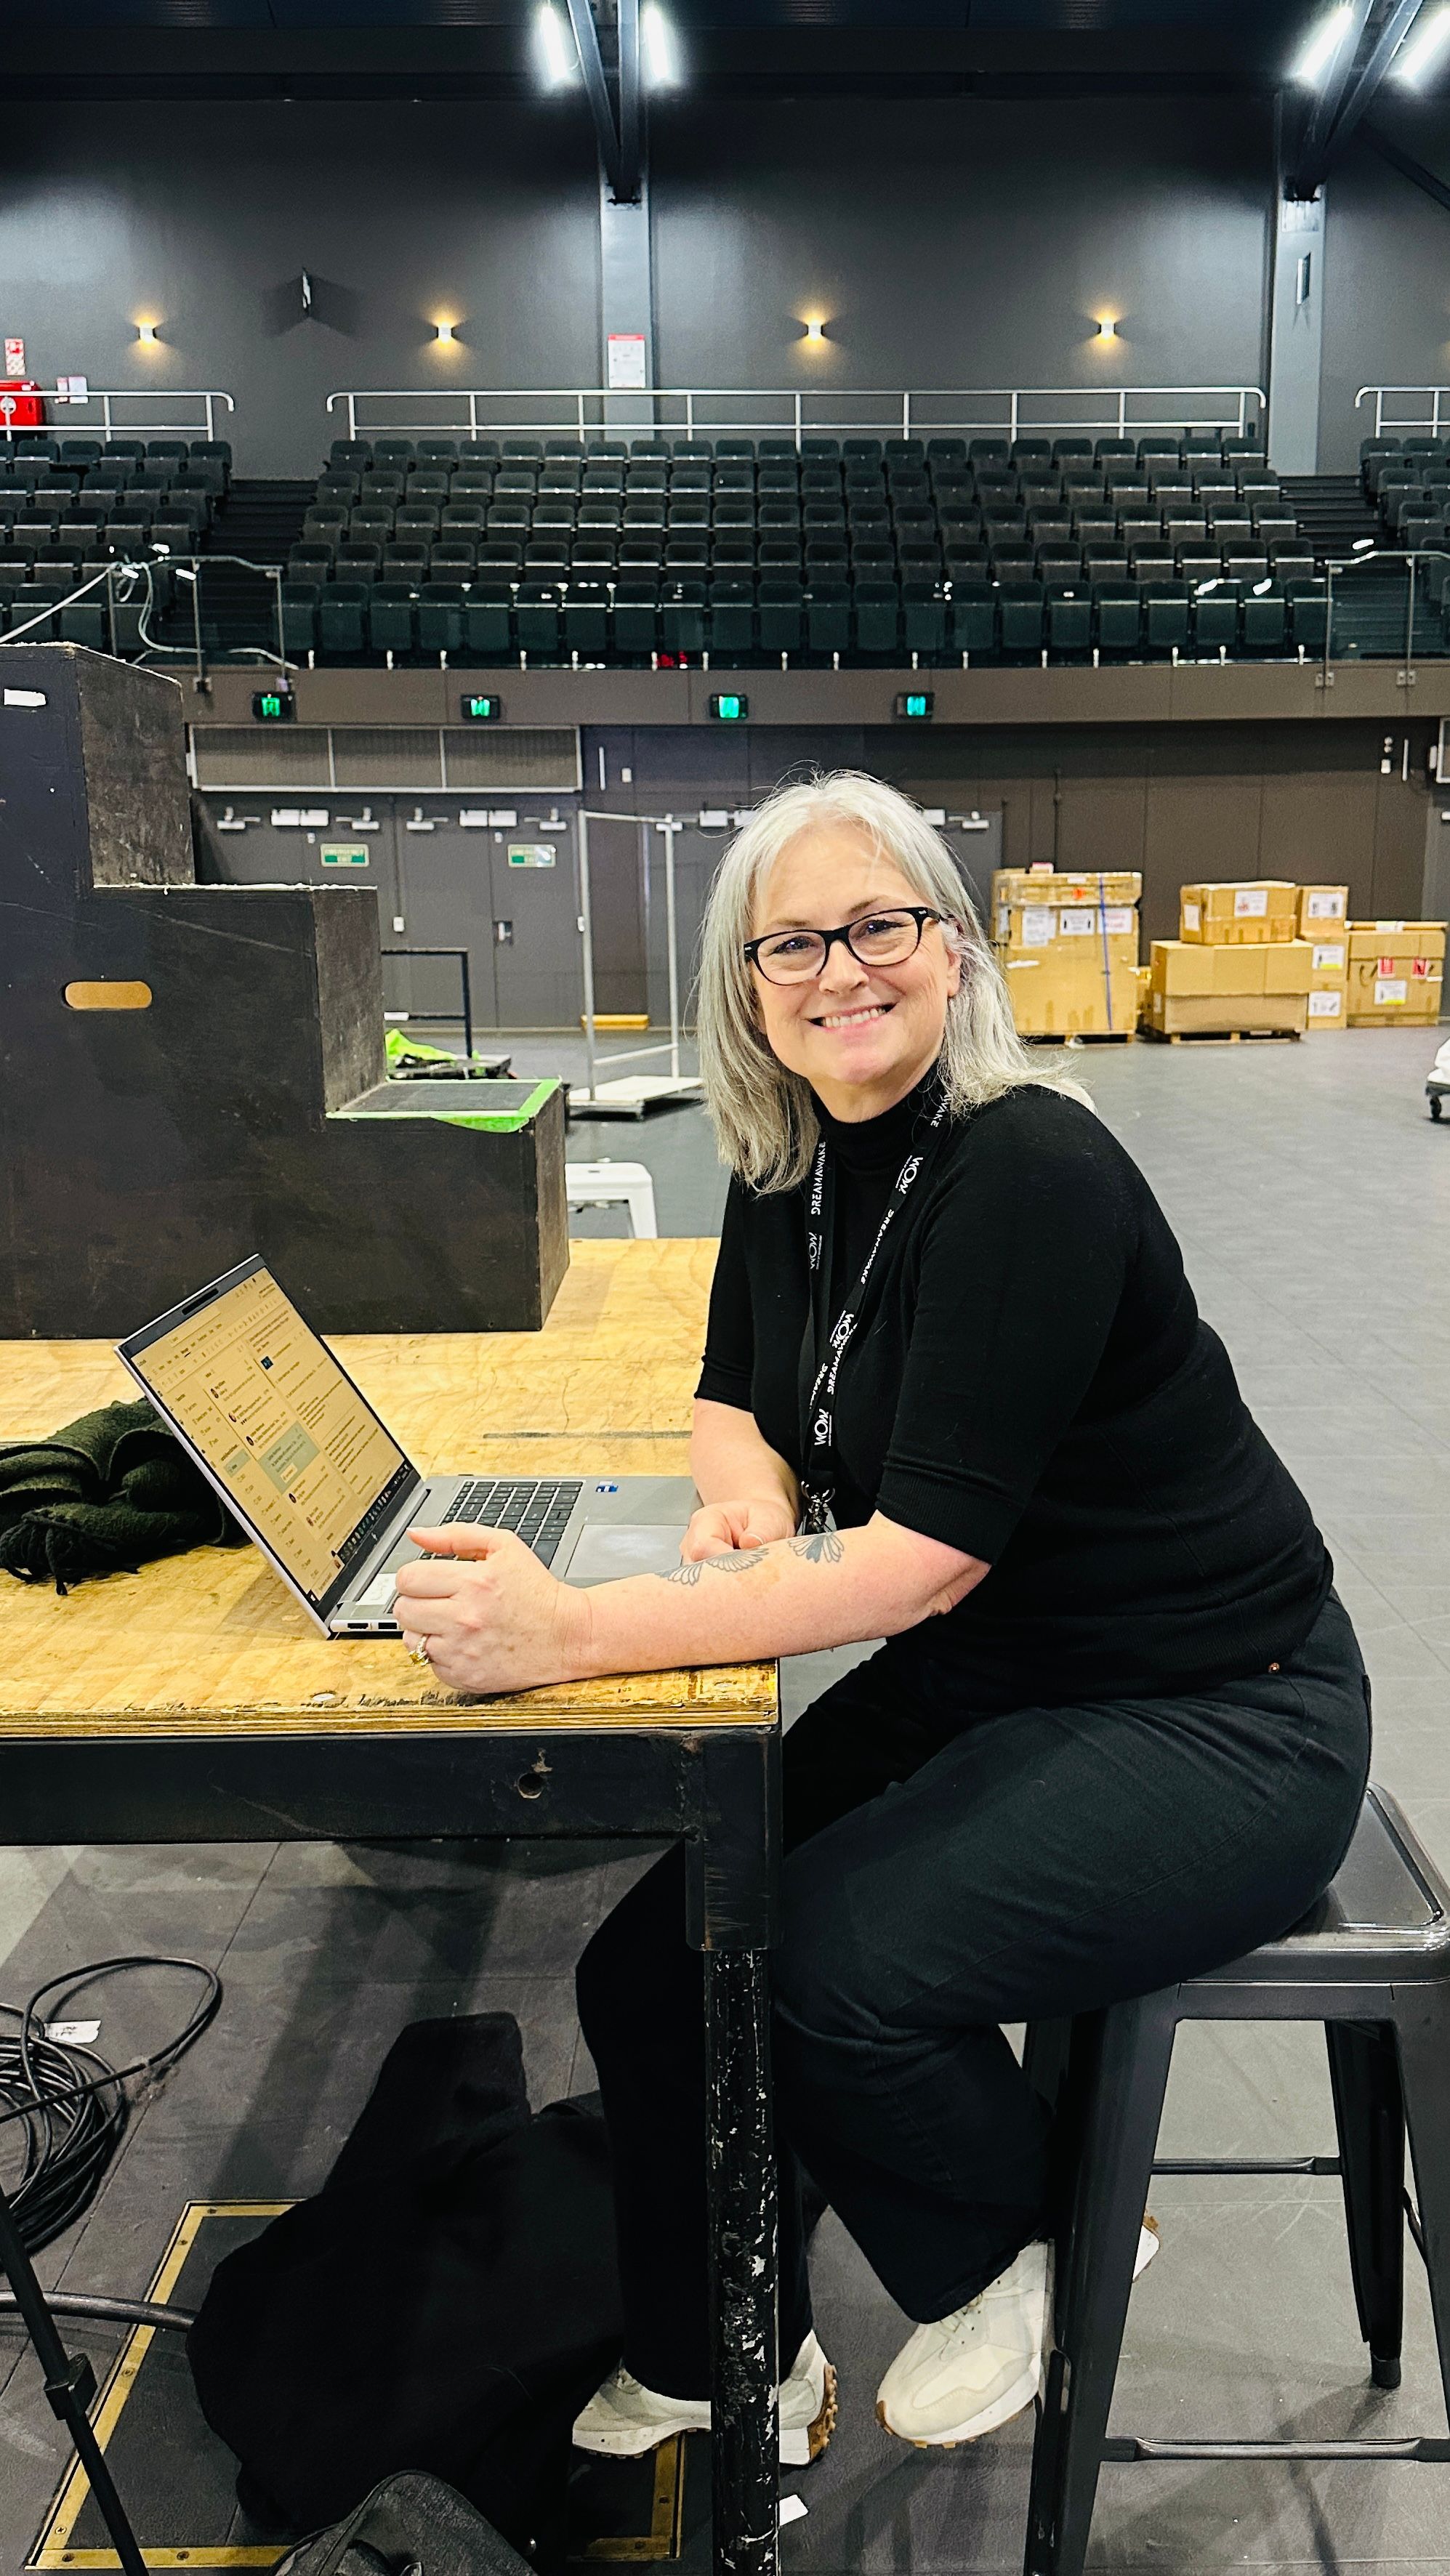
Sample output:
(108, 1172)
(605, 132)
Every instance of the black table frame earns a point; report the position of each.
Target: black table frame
(717, 1787)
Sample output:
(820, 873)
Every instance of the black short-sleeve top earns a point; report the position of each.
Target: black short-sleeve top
(1032, 1384)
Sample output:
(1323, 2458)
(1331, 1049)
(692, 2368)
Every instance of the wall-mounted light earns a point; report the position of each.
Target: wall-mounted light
(815, 331)
(1107, 328)
(148, 335)
(659, 47)
(445, 335)
(555, 52)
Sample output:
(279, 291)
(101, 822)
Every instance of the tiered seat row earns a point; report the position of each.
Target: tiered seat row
(72, 502)
(754, 547)
(1410, 486)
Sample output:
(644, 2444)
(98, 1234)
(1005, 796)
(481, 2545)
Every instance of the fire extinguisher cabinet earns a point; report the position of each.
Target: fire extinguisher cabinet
(20, 404)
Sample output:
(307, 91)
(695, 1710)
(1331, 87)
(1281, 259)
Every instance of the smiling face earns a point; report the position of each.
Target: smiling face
(862, 1036)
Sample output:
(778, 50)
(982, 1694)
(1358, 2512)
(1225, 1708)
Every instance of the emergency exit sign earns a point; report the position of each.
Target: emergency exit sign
(530, 854)
(344, 854)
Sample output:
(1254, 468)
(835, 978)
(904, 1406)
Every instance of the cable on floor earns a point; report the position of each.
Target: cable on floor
(71, 2104)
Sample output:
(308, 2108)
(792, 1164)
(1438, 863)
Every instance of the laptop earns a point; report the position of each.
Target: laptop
(257, 1400)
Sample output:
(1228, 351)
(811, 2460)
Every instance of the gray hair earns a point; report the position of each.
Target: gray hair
(764, 1115)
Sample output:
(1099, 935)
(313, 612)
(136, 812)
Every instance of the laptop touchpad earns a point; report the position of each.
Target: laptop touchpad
(608, 1549)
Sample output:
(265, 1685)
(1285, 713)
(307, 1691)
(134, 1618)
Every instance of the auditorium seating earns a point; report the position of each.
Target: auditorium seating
(71, 506)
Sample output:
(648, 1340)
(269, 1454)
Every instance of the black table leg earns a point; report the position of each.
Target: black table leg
(744, 2268)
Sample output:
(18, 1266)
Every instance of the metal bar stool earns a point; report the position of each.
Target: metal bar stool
(1372, 1962)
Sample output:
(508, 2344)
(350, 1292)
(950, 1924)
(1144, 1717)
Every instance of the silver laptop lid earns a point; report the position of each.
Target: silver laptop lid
(277, 1425)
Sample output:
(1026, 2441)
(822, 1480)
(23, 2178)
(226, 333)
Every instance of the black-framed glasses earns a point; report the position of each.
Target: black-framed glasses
(877, 939)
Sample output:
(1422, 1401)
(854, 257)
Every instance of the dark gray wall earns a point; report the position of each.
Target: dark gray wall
(953, 242)
(203, 216)
(1387, 270)
(962, 241)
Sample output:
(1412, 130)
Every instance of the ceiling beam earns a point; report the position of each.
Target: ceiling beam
(1326, 105)
(631, 152)
(591, 63)
(1408, 168)
(1312, 172)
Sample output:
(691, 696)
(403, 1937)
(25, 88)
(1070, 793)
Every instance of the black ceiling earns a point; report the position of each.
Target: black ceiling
(260, 49)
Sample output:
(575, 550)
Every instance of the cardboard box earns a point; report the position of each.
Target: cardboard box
(1395, 939)
(1063, 995)
(1326, 1009)
(1189, 970)
(1319, 904)
(1242, 913)
(1207, 1014)
(1394, 988)
(1066, 885)
(1028, 926)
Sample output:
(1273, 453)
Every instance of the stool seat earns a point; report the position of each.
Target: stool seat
(1371, 1961)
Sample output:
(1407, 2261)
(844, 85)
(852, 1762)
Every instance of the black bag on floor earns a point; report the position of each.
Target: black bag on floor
(447, 2303)
(408, 2526)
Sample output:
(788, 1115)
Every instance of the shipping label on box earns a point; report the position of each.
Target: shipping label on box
(1120, 921)
(1191, 914)
(1326, 1007)
(1390, 989)
(1250, 902)
(1078, 925)
(1330, 957)
(1323, 903)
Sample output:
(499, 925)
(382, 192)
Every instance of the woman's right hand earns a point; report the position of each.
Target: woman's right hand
(752, 1522)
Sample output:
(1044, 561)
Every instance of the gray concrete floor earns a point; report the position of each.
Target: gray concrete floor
(1312, 1197)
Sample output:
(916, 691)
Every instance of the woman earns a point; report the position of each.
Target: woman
(956, 1394)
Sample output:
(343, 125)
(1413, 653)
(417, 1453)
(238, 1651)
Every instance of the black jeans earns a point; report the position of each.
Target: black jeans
(944, 1876)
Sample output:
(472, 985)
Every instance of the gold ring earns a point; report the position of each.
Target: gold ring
(419, 1655)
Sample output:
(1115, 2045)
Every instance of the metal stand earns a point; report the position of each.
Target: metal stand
(70, 2385)
(744, 2409)
(632, 1094)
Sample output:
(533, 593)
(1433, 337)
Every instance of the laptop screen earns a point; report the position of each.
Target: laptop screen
(304, 1461)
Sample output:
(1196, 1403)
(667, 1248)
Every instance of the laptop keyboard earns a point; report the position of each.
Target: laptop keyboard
(537, 1510)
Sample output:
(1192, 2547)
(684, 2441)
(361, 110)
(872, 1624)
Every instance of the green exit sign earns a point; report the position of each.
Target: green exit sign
(727, 708)
(482, 710)
(344, 854)
(916, 705)
(273, 706)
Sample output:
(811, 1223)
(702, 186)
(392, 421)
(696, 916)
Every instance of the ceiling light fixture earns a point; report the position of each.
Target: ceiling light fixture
(1311, 65)
(659, 46)
(554, 47)
(1422, 49)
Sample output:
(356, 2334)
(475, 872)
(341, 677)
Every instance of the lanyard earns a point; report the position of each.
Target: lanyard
(818, 1429)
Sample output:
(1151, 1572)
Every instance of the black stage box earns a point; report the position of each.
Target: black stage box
(192, 1073)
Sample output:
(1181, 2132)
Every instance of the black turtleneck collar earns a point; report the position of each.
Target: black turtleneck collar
(876, 1144)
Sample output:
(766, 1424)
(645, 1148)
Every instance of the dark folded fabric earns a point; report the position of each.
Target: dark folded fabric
(102, 1496)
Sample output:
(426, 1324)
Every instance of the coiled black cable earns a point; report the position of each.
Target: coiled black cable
(70, 2104)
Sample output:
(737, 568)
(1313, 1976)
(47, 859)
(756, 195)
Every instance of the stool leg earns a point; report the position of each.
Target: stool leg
(1118, 2078)
(1424, 2038)
(1364, 2073)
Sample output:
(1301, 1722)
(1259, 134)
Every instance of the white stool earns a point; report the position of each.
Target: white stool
(610, 1185)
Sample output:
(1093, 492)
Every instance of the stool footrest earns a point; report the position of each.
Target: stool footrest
(1248, 2165)
(1132, 2446)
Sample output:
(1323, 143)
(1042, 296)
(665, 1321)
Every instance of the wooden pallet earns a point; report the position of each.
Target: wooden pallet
(1218, 1037)
(1081, 1038)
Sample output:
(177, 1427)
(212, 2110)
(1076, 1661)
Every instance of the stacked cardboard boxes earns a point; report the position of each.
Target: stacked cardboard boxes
(1396, 973)
(1197, 988)
(1067, 943)
(1324, 927)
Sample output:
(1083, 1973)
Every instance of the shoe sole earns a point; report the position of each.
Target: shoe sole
(797, 2448)
(1015, 2401)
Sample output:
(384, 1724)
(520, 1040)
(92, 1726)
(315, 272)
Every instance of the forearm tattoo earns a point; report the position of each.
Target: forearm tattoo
(821, 1547)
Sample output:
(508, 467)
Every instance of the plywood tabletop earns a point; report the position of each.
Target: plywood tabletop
(212, 1643)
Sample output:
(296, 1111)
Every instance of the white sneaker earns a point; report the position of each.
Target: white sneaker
(624, 2418)
(967, 2373)
(982, 2365)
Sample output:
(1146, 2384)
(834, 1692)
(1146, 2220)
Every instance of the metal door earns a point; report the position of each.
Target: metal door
(976, 842)
(538, 973)
(445, 900)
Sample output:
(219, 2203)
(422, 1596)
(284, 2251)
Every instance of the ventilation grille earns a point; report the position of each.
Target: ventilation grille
(497, 758)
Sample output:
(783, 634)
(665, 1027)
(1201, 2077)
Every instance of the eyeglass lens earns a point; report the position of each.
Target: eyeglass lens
(881, 939)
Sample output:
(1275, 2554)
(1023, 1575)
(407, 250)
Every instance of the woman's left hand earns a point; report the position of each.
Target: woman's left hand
(490, 1615)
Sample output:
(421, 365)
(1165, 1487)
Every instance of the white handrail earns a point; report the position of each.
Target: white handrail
(1432, 420)
(107, 426)
(581, 412)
